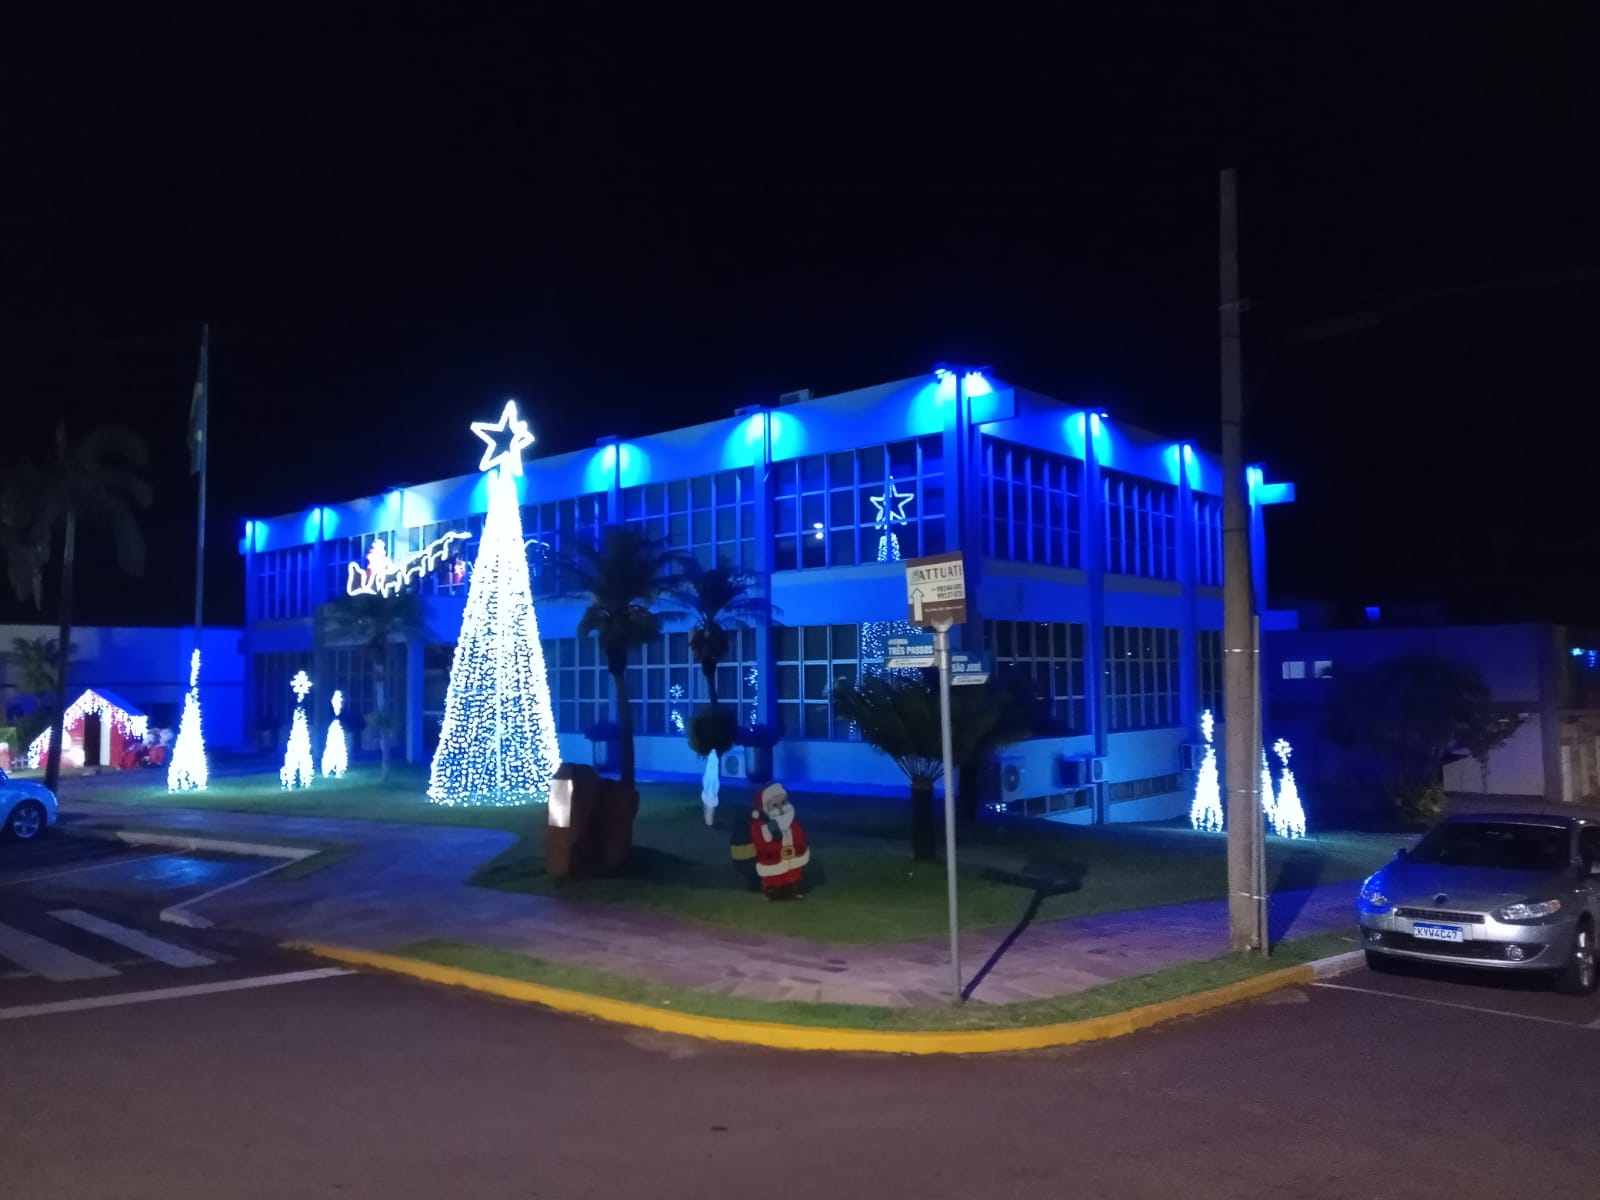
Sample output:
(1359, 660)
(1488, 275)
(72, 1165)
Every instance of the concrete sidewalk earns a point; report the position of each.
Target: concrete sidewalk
(406, 883)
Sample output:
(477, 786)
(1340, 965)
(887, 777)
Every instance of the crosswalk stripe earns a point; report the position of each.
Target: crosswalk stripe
(48, 959)
(133, 939)
(88, 1003)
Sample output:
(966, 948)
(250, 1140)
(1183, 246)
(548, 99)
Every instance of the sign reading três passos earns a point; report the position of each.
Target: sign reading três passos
(936, 590)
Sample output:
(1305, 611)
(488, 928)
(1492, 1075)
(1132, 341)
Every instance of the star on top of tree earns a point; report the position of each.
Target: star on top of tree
(891, 505)
(510, 429)
(300, 685)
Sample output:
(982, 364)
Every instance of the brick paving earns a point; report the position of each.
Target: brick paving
(405, 883)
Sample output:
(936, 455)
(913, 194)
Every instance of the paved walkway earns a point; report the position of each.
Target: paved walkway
(406, 883)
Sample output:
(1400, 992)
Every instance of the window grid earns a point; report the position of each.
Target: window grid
(271, 675)
(283, 583)
(1049, 658)
(1210, 663)
(1030, 504)
(823, 510)
(655, 670)
(709, 516)
(1208, 541)
(1140, 526)
(810, 660)
(1142, 679)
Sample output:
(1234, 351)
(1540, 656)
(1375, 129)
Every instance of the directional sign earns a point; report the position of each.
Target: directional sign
(936, 590)
(970, 668)
(913, 650)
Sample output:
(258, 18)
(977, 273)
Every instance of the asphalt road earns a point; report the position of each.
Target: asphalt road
(364, 1086)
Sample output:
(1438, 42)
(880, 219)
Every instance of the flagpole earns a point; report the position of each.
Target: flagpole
(201, 431)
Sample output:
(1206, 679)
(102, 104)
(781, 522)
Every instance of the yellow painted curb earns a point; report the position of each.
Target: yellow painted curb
(820, 1037)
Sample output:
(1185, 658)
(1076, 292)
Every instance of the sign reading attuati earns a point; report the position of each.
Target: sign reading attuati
(936, 590)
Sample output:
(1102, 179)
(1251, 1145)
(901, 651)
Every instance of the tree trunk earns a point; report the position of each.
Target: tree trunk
(967, 784)
(69, 542)
(708, 668)
(924, 841)
(624, 728)
(380, 701)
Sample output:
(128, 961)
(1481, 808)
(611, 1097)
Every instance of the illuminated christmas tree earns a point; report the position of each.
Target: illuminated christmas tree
(1205, 812)
(1289, 815)
(335, 754)
(875, 635)
(497, 744)
(1269, 806)
(297, 770)
(187, 770)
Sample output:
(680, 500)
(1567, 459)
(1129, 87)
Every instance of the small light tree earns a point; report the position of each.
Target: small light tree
(377, 624)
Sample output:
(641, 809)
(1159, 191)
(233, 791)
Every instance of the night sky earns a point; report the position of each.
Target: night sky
(393, 221)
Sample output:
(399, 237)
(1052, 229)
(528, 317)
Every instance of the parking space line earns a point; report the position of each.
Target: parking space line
(133, 939)
(54, 962)
(1493, 1012)
(120, 860)
(172, 993)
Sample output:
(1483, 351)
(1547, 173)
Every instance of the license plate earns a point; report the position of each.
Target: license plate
(1437, 933)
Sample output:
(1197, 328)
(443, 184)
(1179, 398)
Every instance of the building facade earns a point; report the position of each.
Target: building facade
(1093, 557)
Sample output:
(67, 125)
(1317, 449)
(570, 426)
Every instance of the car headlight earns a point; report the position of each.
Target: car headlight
(1528, 911)
(1370, 894)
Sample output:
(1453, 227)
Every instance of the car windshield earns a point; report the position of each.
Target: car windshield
(1505, 846)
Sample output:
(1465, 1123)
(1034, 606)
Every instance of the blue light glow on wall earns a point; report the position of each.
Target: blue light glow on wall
(1080, 428)
(1374, 613)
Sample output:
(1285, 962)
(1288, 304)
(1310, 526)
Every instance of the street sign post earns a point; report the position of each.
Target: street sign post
(971, 668)
(913, 650)
(936, 590)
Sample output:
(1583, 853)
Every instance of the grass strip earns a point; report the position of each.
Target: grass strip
(1118, 996)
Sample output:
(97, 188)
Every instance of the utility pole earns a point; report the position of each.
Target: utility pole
(1246, 835)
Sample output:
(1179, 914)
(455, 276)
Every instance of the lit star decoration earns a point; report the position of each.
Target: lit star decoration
(1289, 815)
(297, 770)
(1205, 813)
(514, 430)
(187, 770)
(335, 754)
(875, 635)
(497, 741)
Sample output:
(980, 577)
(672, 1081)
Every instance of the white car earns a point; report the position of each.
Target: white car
(27, 809)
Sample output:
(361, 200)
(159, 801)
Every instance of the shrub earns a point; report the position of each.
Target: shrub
(712, 730)
(1419, 803)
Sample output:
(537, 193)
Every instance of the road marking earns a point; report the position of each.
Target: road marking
(120, 860)
(48, 959)
(1493, 1012)
(133, 939)
(172, 993)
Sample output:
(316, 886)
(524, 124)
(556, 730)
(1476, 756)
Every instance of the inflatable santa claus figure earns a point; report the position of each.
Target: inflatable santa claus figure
(780, 842)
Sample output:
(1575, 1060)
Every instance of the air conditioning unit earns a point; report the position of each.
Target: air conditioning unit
(1081, 772)
(733, 765)
(1191, 755)
(1013, 779)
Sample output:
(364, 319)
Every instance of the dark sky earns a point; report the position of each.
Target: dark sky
(393, 220)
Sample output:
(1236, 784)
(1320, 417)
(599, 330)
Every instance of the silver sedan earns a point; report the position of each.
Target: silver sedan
(1518, 892)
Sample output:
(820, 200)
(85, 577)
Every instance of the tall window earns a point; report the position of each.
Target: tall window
(1030, 504)
(554, 527)
(1141, 678)
(809, 659)
(824, 510)
(580, 689)
(1049, 658)
(666, 688)
(1210, 647)
(1208, 541)
(1140, 526)
(283, 583)
(709, 516)
(271, 674)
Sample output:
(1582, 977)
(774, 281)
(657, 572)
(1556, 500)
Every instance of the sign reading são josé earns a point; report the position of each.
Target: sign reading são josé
(936, 590)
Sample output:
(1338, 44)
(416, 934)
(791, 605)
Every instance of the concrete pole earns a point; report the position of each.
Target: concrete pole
(1243, 805)
(941, 650)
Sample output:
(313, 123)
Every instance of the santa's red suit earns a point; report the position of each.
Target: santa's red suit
(780, 842)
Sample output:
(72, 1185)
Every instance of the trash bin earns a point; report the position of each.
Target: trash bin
(574, 819)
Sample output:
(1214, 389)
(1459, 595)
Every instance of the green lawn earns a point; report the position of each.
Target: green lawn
(863, 886)
(1095, 1002)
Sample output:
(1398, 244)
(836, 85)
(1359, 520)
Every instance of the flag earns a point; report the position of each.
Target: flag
(197, 407)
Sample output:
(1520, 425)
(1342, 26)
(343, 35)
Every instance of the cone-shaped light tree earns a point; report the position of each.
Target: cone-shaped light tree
(297, 770)
(497, 744)
(187, 770)
(1205, 812)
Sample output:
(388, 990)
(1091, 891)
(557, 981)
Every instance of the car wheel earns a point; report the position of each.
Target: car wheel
(27, 821)
(1581, 975)
(1381, 963)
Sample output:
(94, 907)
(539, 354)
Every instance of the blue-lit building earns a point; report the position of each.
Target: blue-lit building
(1093, 563)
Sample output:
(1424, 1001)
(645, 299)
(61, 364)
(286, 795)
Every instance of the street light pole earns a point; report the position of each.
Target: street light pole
(1246, 834)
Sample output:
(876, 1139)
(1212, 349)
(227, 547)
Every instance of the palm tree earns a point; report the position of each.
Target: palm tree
(20, 546)
(899, 716)
(36, 661)
(624, 575)
(99, 482)
(719, 599)
(376, 623)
